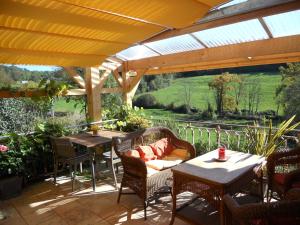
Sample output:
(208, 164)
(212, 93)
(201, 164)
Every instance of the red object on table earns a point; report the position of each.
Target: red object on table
(221, 153)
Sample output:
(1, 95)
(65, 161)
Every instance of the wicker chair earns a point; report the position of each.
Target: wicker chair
(285, 212)
(283, 169)
(64, 153)
(136, 176)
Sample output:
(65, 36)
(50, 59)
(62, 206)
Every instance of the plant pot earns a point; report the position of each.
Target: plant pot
(10, 187)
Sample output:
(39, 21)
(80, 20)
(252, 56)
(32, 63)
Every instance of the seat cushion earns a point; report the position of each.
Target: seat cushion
(133, 153)
(146, 152)
(182, 154)
(159, 164)
(151, 171)
(162, 147)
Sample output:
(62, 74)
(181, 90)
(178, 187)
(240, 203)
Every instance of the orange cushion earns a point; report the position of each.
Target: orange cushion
(180, 153)
(162, 147)
(146, 153)
(133, 153)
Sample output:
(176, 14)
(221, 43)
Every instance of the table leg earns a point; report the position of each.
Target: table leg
(174, 196)
(222, 211)
(93, 173)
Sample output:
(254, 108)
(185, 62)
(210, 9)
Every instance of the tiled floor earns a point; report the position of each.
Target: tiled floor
(47, 204)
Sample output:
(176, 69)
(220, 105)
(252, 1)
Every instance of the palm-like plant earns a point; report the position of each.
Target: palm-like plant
(265, 140)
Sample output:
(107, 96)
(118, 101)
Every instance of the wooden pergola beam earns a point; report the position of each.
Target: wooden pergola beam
(75, 76)
(230, 64)
(235, 18)
(224, 56)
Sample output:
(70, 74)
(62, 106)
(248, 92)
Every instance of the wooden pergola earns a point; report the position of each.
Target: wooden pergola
(90, 34)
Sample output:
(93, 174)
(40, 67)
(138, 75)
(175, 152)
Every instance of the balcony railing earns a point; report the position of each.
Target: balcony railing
(206, 136)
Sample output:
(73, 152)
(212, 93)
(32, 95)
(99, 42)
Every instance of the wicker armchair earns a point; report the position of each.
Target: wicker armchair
(136, 175)
(285, 212)
(283, 169)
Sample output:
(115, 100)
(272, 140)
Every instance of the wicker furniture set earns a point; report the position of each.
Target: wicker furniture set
(154, 160)
(138, 175)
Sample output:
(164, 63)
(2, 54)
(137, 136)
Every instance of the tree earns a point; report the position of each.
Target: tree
(222, 84)
(253, 93)
(187, 97)
(288, 92)
(238, 90)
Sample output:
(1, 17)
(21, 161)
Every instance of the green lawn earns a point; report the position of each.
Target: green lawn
(200, 93)
(61, 105)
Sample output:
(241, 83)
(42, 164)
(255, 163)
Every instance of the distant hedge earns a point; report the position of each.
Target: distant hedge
(146, 101)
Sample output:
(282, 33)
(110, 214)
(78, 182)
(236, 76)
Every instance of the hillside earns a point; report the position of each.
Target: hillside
(200, 93)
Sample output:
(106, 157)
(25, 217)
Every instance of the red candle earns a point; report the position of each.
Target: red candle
(221, 153)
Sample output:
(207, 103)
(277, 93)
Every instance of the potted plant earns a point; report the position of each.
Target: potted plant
(11, 172)
(267, 139)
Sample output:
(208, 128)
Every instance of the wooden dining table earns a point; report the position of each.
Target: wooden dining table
(211, 179)
(91, 141)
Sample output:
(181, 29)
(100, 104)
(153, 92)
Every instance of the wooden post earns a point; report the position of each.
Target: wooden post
(93, 91)
(130, 85)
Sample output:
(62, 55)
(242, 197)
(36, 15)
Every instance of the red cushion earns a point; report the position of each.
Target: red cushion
(296, 184)
(146, 153)
(162, 147)
(280, 178)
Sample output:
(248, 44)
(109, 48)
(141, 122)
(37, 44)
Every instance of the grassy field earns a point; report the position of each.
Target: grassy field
(200, 93)
(61, 105)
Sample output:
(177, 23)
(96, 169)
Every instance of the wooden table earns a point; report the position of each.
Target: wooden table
(90, 141)
(210, 179)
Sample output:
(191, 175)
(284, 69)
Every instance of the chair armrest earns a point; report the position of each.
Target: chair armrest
(134, 166)
(247, 211)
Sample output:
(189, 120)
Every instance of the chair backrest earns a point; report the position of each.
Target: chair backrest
(140, 137)
(62, 147)
(281, 212)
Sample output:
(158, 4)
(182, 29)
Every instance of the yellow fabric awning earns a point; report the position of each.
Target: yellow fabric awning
(84, 32)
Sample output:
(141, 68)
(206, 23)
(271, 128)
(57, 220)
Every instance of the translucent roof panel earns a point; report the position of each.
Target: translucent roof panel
(250, 30)
(136, 52)
(230, 3)
(180, 43)
(284, 24)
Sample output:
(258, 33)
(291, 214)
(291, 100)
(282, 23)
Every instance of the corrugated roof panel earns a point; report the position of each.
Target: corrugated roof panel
(284, 24)
(230, 3)
(246, 31)
(180, 43)
(136, 52)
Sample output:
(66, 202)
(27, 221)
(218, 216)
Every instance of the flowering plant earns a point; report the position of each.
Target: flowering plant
(11, 161)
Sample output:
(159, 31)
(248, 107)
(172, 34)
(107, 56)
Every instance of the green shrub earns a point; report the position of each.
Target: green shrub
(146, 101)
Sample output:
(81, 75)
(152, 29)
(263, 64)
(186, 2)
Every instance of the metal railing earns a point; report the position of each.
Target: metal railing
(208, 136)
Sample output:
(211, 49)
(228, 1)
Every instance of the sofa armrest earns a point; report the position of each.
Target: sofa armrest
(179, 143)
(134, 166)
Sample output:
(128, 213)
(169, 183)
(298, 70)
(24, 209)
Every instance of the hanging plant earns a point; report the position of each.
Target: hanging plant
(52, 90)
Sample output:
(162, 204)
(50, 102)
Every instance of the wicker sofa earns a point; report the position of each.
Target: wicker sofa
(138, 176)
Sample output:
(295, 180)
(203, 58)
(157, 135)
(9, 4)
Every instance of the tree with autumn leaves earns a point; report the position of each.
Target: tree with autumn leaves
(222, 85)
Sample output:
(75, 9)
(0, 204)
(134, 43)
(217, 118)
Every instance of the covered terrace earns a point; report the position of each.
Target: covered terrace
(130, 39)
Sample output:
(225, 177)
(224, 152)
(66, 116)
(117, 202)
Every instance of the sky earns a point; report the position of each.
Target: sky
(37, 68)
